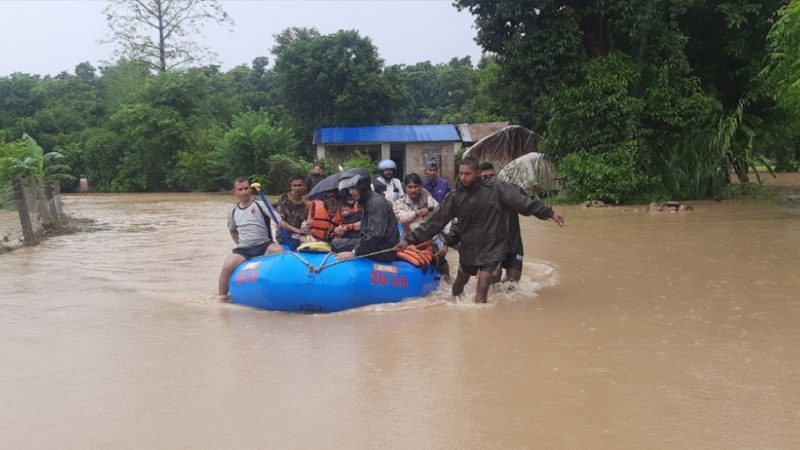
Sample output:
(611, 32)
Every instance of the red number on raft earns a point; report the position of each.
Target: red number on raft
(378, 278)
(247, 276)
(381, 279)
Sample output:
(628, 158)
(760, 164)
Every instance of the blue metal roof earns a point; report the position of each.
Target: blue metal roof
(387, 133)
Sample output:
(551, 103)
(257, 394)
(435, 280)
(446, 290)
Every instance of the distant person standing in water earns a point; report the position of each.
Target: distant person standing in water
(83, 185)
(513, 261)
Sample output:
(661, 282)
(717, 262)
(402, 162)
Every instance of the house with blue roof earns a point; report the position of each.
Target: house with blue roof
(409, 146)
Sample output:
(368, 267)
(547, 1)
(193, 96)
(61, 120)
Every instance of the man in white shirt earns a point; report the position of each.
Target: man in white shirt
(250, 229)
(394, 188)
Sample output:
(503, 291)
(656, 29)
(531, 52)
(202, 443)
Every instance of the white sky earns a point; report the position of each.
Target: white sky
(46, 37)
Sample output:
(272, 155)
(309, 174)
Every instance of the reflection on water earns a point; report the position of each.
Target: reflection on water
(629, 329)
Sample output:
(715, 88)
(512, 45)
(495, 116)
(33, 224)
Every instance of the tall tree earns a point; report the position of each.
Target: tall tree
(330, 80)
(162, 32)
(540, 45)
(781, 76)
(726, 46)
(157, 123)
(440, 93)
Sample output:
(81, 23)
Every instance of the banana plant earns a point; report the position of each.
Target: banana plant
(25, 159)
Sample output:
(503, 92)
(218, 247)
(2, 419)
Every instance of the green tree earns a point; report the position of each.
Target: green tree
(156, 124)
(72, 104)
(252, 145)
(98, 154)
(440, 93)
(781, 76)
(603, 77)
(492, 100)
(25, 159)
(118, 82)
(540, 45)
(162, 32)
(20, 99)
(726, 50)
(330, 80)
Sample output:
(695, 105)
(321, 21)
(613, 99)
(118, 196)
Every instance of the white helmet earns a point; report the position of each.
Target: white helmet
(387, 164)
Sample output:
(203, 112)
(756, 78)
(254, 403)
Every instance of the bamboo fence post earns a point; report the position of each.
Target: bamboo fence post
(24, 215)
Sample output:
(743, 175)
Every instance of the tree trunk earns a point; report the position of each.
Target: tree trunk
(595, 36)
(740, 167)
(162, 51)
(22, 209)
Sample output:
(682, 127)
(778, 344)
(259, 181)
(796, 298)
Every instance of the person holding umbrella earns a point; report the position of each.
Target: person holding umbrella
(379, 232)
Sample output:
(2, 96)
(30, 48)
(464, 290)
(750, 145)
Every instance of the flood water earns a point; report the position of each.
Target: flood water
(630, 330)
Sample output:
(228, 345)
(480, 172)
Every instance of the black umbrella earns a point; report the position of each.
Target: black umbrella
(329, 183)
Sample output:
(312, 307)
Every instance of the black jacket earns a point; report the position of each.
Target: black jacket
(481, 211)
(378, 226)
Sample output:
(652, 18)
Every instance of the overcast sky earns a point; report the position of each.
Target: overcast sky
(48, 37)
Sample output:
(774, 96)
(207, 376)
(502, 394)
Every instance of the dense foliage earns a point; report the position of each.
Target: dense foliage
(668, 98)
(668, 88)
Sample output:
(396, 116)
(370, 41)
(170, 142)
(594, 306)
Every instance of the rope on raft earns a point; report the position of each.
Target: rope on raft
(308, 265)
(324, 266)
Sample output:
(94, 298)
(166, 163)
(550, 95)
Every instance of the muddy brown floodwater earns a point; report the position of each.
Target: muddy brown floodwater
(630, 329)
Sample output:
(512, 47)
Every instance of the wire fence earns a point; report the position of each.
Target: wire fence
(27, 212)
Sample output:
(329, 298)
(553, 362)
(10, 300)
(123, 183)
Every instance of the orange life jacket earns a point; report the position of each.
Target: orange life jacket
(420, 255)
(320, 221)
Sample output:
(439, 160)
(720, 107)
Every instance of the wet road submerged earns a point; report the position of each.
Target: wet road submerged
(630, 330)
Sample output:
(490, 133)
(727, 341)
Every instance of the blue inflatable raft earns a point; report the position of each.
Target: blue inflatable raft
(313, 282)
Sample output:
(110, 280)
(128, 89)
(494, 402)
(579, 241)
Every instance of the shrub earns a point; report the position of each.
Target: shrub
(612, 176)
(281, 168)
(360, 160)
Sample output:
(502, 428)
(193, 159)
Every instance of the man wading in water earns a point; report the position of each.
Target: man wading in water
(480, 209)
(513, 261)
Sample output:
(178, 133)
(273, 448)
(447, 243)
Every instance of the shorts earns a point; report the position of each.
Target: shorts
(344, 244)
(253, 250)
(513, 261)
(493, 267)
(292, 243)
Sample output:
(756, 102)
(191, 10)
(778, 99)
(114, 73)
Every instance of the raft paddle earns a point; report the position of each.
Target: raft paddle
(257, 187)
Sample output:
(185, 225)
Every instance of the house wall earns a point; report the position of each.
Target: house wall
(418, 153)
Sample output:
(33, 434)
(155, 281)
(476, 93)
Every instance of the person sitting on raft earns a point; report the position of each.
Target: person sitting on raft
(379, 233)
(250, 229)
(323, 216)
(414, 208)
(292, 208)
(347, 235)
